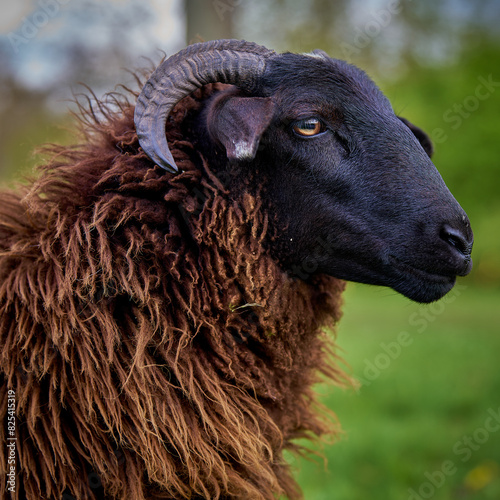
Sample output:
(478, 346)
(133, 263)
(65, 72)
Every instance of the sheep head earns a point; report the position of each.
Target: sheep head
(349, 185)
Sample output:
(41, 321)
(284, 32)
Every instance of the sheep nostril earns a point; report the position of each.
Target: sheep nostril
(457, 239)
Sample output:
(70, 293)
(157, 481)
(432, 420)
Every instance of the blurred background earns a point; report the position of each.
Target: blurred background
(425, 422)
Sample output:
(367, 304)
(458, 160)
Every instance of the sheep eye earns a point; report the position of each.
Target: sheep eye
(308, 127)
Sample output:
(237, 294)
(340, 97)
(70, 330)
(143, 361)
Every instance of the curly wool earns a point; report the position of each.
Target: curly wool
(155, 348)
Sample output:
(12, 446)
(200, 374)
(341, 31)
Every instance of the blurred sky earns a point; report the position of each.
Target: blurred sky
(36, 33)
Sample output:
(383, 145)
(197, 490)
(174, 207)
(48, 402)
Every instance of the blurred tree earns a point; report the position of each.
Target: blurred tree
(383, 36)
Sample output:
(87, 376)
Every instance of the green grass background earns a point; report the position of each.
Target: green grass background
(412, 418)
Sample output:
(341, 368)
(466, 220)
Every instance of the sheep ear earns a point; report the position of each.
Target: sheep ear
(422, 137)
(238, 124)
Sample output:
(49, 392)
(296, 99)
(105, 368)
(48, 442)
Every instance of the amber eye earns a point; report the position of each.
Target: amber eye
(308, 127)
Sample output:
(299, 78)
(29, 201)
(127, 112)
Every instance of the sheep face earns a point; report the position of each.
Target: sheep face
(350, 187)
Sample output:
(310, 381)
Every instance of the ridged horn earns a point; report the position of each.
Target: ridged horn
(236, 62)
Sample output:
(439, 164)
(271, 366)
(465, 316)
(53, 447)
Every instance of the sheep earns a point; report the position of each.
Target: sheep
(166, 286)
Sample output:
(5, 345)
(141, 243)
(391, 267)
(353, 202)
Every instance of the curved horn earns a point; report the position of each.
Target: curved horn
(236, 62)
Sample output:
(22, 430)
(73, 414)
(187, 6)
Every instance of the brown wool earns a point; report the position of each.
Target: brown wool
(155, 348)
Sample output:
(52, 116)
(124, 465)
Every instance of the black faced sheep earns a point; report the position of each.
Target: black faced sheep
(161, 325)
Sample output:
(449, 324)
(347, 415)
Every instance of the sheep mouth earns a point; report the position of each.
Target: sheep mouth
(420, 273)
(419, 284)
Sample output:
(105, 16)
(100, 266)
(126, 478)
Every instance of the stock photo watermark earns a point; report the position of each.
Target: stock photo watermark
(222, 7)
(390, 351)
(455, 115)
(464, 448)
(94, 480)
(32, 24)
(11, 441)
(363, 36)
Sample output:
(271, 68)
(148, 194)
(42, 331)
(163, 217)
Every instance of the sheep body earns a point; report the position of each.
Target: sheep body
(162, 329)
(153, 355)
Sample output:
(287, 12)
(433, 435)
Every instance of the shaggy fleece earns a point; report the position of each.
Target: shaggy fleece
(155, 348)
